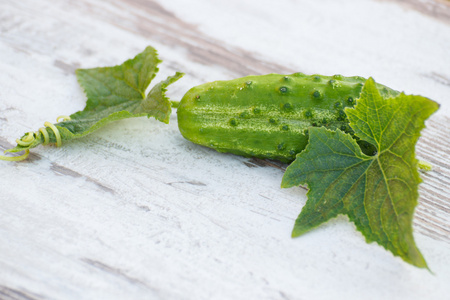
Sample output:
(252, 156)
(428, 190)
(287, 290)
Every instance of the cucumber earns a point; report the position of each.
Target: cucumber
(268, 116)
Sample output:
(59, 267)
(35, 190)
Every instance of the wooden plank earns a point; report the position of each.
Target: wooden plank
(437, 9)
(135, 211)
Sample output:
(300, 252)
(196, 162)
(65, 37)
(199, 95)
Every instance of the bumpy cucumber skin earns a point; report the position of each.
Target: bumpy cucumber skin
(267, 116)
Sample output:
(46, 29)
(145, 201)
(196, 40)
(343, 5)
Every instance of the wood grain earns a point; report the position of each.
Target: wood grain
(164, 27)
(433, 212)
(134, 211)
(437, 9)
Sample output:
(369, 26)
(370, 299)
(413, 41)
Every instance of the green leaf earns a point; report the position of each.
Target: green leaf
(156, 103)
(378, 193)
(114, 93)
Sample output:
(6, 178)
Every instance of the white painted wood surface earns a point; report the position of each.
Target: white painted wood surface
(134, 211)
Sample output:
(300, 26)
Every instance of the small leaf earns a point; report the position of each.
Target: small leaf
(157, 104)
(378, 193)
(114, 93)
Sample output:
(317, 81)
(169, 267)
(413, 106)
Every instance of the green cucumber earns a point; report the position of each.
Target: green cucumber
(268, 116)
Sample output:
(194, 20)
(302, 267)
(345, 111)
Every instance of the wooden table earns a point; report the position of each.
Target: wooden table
(134, 211)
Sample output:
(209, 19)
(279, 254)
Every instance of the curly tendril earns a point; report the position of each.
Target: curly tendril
(64, 118)
(44, 133)
(15, 158)
(425, 166)
(30, 137)
(55, 131)
(27, 140)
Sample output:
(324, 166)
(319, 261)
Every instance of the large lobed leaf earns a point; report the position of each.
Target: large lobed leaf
(115, 93)
(378, 193)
